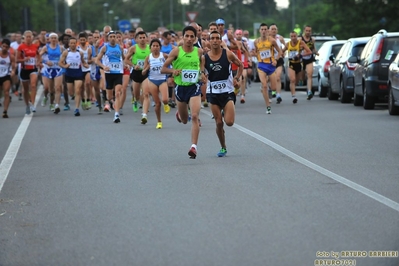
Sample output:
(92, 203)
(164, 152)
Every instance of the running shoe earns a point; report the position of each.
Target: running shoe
(88, 105)
(52, 107)
(178, 117)
(294, 100)
(44, 101)
(144, 119)
(310, 95)
(116, 119)
(268, 110)
(100, 110)
(172, 103)
(76, 113)
(27, 110)
(5, 115)
(166, 108)
(67, 108)
(106, 108)
(274, 94)
(279, 99)
(135, 106)
(222, 152)
(33, 109)
(56, 109)
(206, 104)
(159, 125)
(242, 99)
(192, 153)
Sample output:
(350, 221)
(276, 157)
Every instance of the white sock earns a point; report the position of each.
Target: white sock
(194, 145)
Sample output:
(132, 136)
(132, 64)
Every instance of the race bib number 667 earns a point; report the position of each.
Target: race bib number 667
(189, 75)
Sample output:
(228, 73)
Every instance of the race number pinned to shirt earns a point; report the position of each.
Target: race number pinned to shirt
(219, 85)
(31, 61)
(140, 63)
(265, 54)
(74, 65)
(292, 54)
(189, 75)
(115, 67)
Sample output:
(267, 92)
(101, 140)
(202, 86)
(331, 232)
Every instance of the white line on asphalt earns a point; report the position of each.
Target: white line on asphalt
(11, 154)
(365, 191)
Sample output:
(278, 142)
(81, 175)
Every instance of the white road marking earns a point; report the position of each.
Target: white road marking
(365, 191)
(12, 151)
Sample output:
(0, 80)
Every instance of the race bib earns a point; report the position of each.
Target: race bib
(156, 69)
(292, 54)
(30, 62)
(3, 70)
(140, 63)
(74, 65)
(115, 67)
(55, 64)
(265, 54)
(218, 85)
(189, 75)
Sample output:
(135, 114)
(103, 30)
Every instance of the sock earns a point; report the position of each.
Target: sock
(293, 96)
(194, 145)
(278, 94)
(116, 113)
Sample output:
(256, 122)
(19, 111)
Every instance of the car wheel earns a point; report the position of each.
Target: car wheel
(331, 95)
(392, 108)
(322, 90)
(368, 101)
(345, 97)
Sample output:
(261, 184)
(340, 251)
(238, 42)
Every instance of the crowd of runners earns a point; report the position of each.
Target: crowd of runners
(187, 70)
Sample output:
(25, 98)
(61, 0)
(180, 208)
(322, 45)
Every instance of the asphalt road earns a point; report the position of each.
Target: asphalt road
(318, 176)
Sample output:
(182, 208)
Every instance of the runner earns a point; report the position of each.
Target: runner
(156, 82)
(308, 59)
(264, 49)
(220, 89)
(7, 70)
(294, 48)
(72, 60)
(27, 55)
(64, 41)
(52, 72)
(186, 61)
(95, 74)
(84, 47)
(135, 58)
(112, 64)
(280, 60)
(166, 48)
(125, 45)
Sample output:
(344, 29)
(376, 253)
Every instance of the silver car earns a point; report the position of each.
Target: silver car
(322, 65)
(342, 82)
(393, 87)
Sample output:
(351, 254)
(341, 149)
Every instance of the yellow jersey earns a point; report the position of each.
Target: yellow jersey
(265, 51)
(293, 51)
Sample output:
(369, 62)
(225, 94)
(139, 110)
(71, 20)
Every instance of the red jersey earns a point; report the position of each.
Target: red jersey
(237, 52)
(28, 51)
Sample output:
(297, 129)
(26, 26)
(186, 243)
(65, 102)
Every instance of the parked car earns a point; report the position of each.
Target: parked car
(371, 72)
(341, 78)
(322, 65)
(393, 87)
(319, 40)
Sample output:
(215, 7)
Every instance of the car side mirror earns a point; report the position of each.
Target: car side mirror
(332, 58)
(353, 59)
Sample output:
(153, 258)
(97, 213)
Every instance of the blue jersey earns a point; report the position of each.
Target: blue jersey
(113, 59)
(166, 48)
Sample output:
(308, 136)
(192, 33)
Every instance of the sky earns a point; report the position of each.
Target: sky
(280, 3)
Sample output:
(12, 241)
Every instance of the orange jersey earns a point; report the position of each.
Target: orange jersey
(31, 52)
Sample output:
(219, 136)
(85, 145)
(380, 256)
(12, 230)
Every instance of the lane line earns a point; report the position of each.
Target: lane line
(365, 191)
(12, 151)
